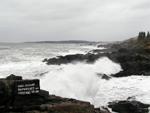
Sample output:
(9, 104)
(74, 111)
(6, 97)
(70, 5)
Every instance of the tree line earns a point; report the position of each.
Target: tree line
(144, 36)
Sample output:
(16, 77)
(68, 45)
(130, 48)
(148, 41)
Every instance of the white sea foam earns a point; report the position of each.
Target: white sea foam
(78, 80)
(70, 52)
(80, 50)
(93, 47)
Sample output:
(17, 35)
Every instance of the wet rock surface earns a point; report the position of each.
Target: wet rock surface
(129, 107)
(133, 55)
(103, 76)
(89, 58)
(134, 58)
(133, 62)
(40, 102)
(43, 102)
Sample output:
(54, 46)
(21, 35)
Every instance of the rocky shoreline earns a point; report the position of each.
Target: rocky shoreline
(43, 102)
(133, 55)
(25, 96)
(40, 102)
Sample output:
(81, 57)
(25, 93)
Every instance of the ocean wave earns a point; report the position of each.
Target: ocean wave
(79, 80)
(75, 80)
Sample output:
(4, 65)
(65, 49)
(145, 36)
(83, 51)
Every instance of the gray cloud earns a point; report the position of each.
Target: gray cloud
(99, 20)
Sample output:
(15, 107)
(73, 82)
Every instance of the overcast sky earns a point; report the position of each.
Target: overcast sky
(93, 20)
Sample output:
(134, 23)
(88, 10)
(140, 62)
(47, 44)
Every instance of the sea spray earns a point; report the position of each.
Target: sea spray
(79, 80)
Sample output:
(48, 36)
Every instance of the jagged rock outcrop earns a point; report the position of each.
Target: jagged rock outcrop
(132, 61)
(89, 58)
(129, 107)
(133, 55)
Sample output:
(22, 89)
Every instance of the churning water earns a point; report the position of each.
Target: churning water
(75, 80)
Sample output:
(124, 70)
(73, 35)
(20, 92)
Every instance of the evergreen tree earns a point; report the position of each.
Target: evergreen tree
(142, 35)
(148, 35)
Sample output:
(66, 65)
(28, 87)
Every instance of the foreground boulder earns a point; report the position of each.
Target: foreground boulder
(129, 107)
(25, 96)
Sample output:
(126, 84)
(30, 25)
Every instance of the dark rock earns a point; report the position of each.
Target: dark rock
(104, 76)
(4, 96)
(131, 98)
(44, 93)
(64, 59)
(14, 77)
(129, 107)
(40, 102)
(104, 110)
(133, 62)
(42, 74)
(89, 58)
(45, 60)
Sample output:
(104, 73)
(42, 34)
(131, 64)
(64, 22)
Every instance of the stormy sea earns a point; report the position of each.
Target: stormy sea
(77, 80)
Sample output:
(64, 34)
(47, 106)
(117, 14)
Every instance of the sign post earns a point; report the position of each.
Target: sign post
(27, 87)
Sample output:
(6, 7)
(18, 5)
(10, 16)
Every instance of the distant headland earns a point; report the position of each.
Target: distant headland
(64, 41)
